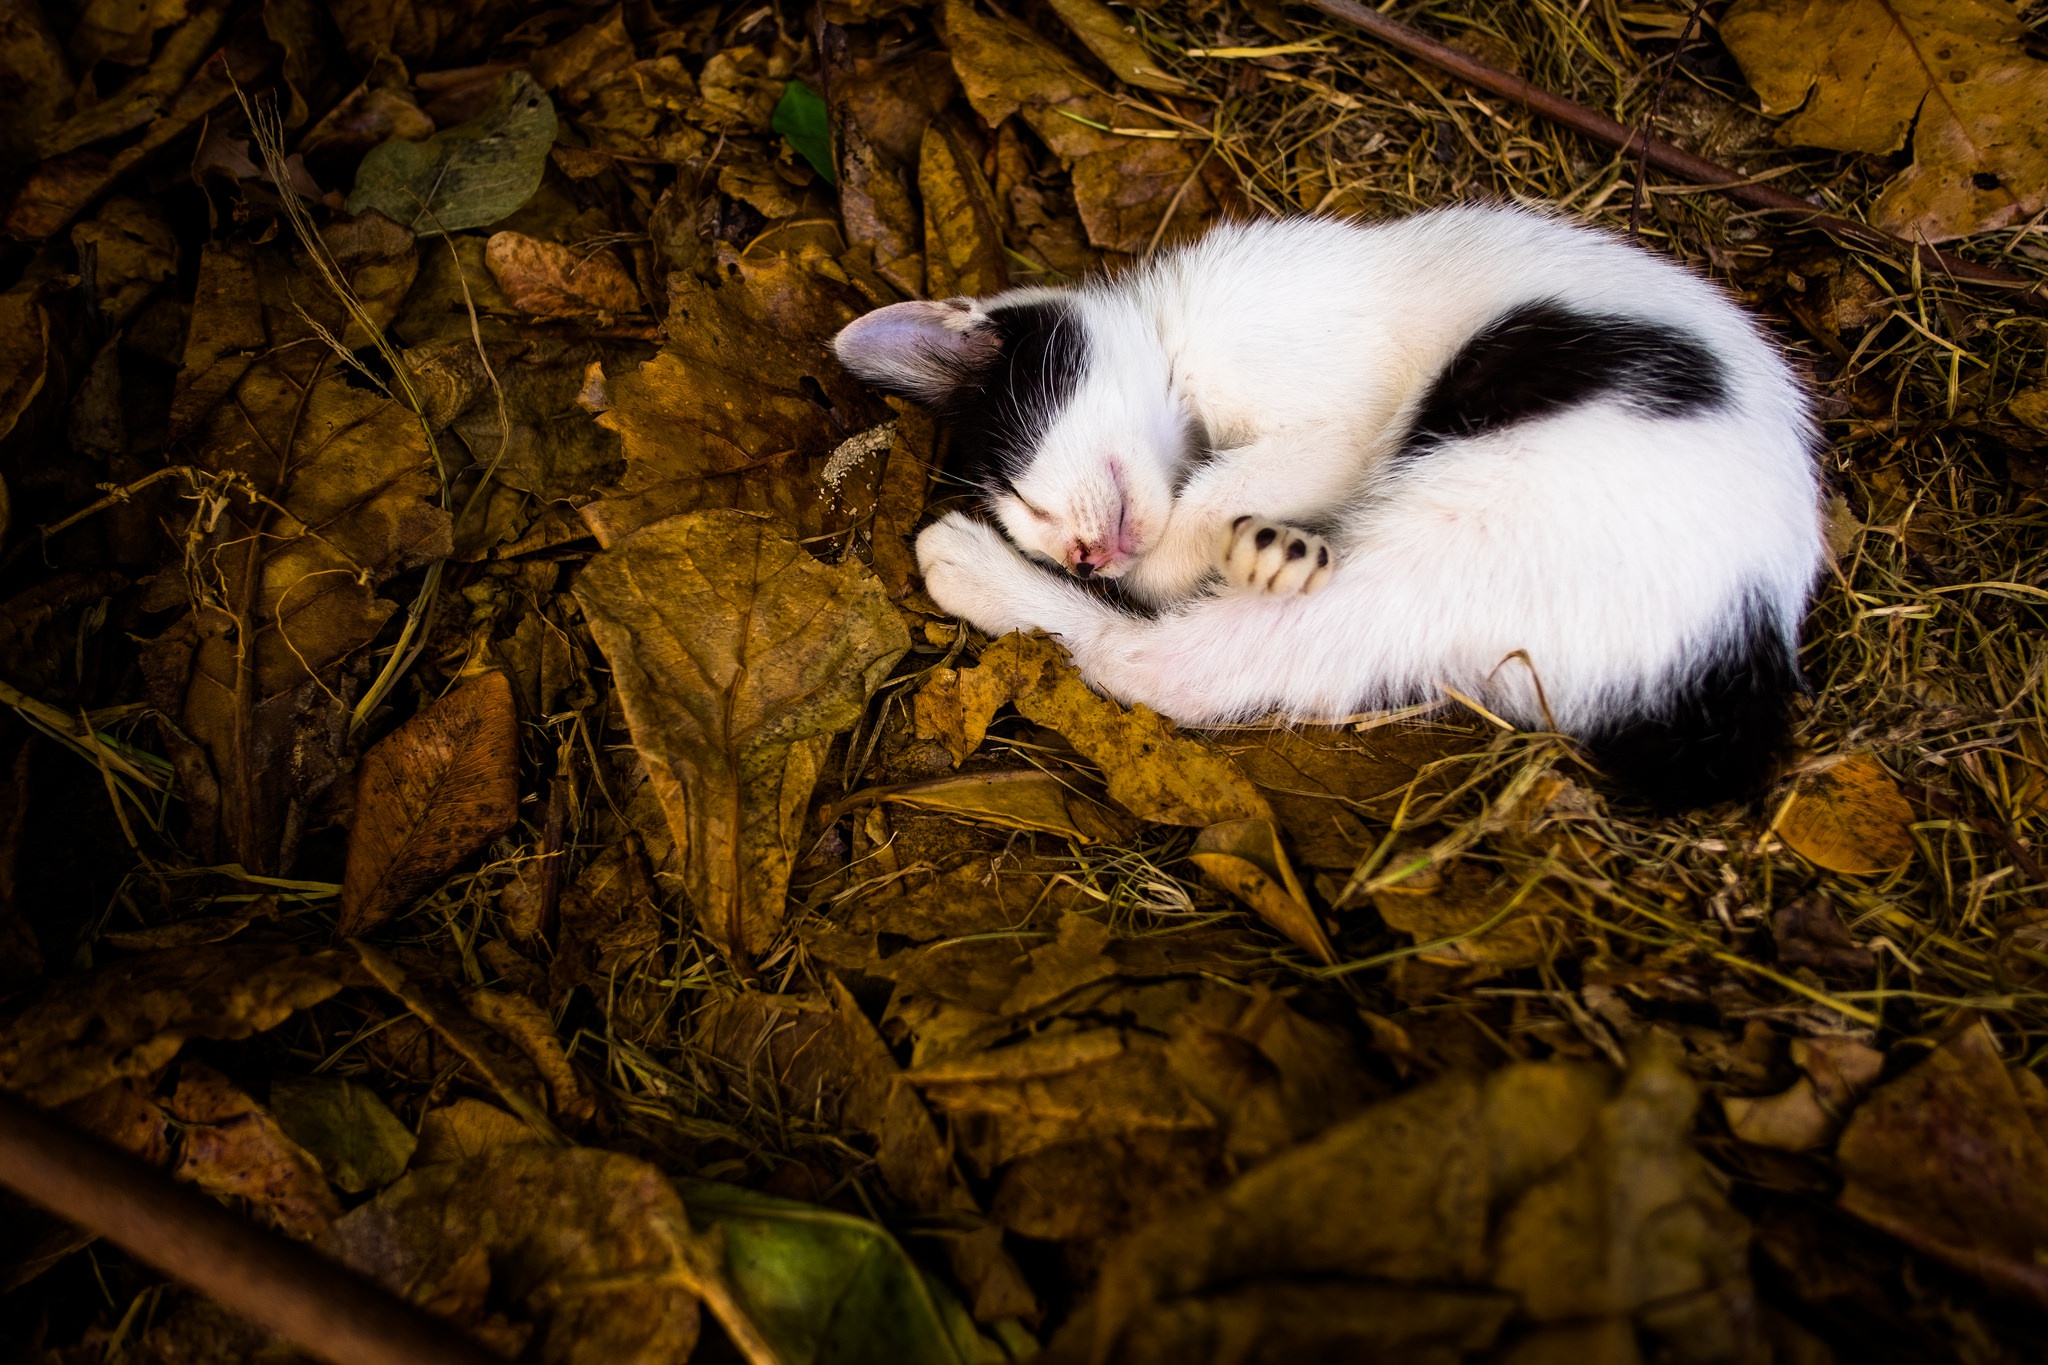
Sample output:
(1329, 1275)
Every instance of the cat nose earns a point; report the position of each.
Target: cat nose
(1083, 569)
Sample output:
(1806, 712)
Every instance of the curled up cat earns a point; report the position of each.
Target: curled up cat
(1335, 468)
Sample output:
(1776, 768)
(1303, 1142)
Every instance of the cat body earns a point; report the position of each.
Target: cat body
(1336, 468)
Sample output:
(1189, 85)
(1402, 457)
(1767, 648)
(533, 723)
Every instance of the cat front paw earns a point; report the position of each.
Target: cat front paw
(975, 574)
(1274, 558)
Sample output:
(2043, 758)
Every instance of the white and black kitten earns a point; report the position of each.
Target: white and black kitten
(1339, 467)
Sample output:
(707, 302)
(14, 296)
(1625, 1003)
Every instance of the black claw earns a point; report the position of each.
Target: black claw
(1297, 550)
(1238, 525)
(1265, 537)
(1323, 557)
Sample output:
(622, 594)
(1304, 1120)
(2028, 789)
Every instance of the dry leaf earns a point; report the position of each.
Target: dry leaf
(130, 1018)
(1327, 784)
(1953, 72)
(1029, 800)
(228, 1145)
(429, 795)
(963, 248)
(1810, 934)
(558, 281)
(1850, 819)
(1948, 1159)
(878, 210)
(358, 1141)
(1244, 857)
(1116, 43)
(737, 658)
(725, 414)
(586, 1245)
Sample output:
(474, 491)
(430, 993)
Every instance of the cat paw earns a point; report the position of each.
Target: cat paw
(1274, 558)
(971, 572)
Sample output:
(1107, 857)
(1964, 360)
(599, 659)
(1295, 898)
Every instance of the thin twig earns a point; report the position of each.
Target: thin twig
(319, 1305)
(1662, 155)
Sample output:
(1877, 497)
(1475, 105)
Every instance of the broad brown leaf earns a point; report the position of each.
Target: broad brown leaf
(229, 1145)
(878, 210)
(586, 1246)
(1116, 43)
(1947, 1159)
(737, 658)
(326, 490)
(428, 795)
(558, 281)
(129, 1018)
(1851, 819)
(1951, 71)
(728, 413)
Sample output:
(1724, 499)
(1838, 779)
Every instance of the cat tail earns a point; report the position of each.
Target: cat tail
(1720, 727)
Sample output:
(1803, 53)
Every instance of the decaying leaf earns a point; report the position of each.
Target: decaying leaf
(1028, 800)
(737, 657)
(558, 281)
(1547, 1193)
(129, 1018)
(1810, 933)
(468, 176)
(1952, 72)
(1948, 1159)
(1116, 43)
(1329, 787)
(228, 1145)
(1839, 1071)
(429, 795)
(963, 248)
(878, 210)
(353, 1134)
(584, 1248)
(1850, 819)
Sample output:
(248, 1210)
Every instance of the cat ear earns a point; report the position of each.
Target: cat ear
(926, 352)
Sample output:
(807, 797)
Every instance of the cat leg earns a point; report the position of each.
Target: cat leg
(973, 573)
(1274, 558)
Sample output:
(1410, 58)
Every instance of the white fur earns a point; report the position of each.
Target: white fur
(1599, 550)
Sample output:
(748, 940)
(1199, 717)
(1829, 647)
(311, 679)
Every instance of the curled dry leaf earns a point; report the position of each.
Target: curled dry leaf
(737, 658)
(428, 795)
(1851, 818)
(468, 176)
(585, 1246)
(1245, 858)
(1027, 800)
(130, 1018)
(1151, 769)
(1953, 73)
(1948, 1159)
(1839, 1071)
(1116, 43)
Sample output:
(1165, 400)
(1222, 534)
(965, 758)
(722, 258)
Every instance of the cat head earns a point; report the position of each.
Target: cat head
(1062, 411)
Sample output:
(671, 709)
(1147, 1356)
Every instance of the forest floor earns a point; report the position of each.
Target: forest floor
(483, 791)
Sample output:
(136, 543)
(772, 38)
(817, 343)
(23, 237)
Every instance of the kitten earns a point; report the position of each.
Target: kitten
(1337, 467)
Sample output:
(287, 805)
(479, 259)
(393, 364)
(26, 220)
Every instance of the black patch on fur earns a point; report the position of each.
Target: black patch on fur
(1542, 358)
(1722, 735)
(998, 418)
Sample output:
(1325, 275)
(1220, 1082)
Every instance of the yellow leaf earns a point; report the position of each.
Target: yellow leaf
(963, 250)
(1027, 800)
(1244, 857)
(1851, 819)
(1951, 71)
(1116, 43)
(737, 658)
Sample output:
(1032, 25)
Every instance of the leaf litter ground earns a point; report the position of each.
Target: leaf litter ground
(481, 790)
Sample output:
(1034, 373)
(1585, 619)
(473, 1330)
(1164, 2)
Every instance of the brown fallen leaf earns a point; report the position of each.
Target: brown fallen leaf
(724, 415)
(129, 1018)
(586, 1246)
(1953, 73)
(1839, 1072)
(229, 1145)
(1116, 43)
(878, 210)
(553, 280)
(1851, 819)
(429, 795)
(1326, 784)
(1245, 858)
(1947, 1159)
(133, 251)
(1151, 768)
(1456, 903)
(1028, 800)
(963, 247)
(737, 658)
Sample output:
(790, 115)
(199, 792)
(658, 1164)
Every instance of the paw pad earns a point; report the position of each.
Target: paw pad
(1274, 558)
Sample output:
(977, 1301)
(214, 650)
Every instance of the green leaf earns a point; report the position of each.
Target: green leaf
(471, 175)
(360, 1143)
(801, 118)
(827, 1288)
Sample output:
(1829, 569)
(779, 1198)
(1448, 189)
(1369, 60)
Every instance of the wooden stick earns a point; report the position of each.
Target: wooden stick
(1665, 157)
(319, 1305)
